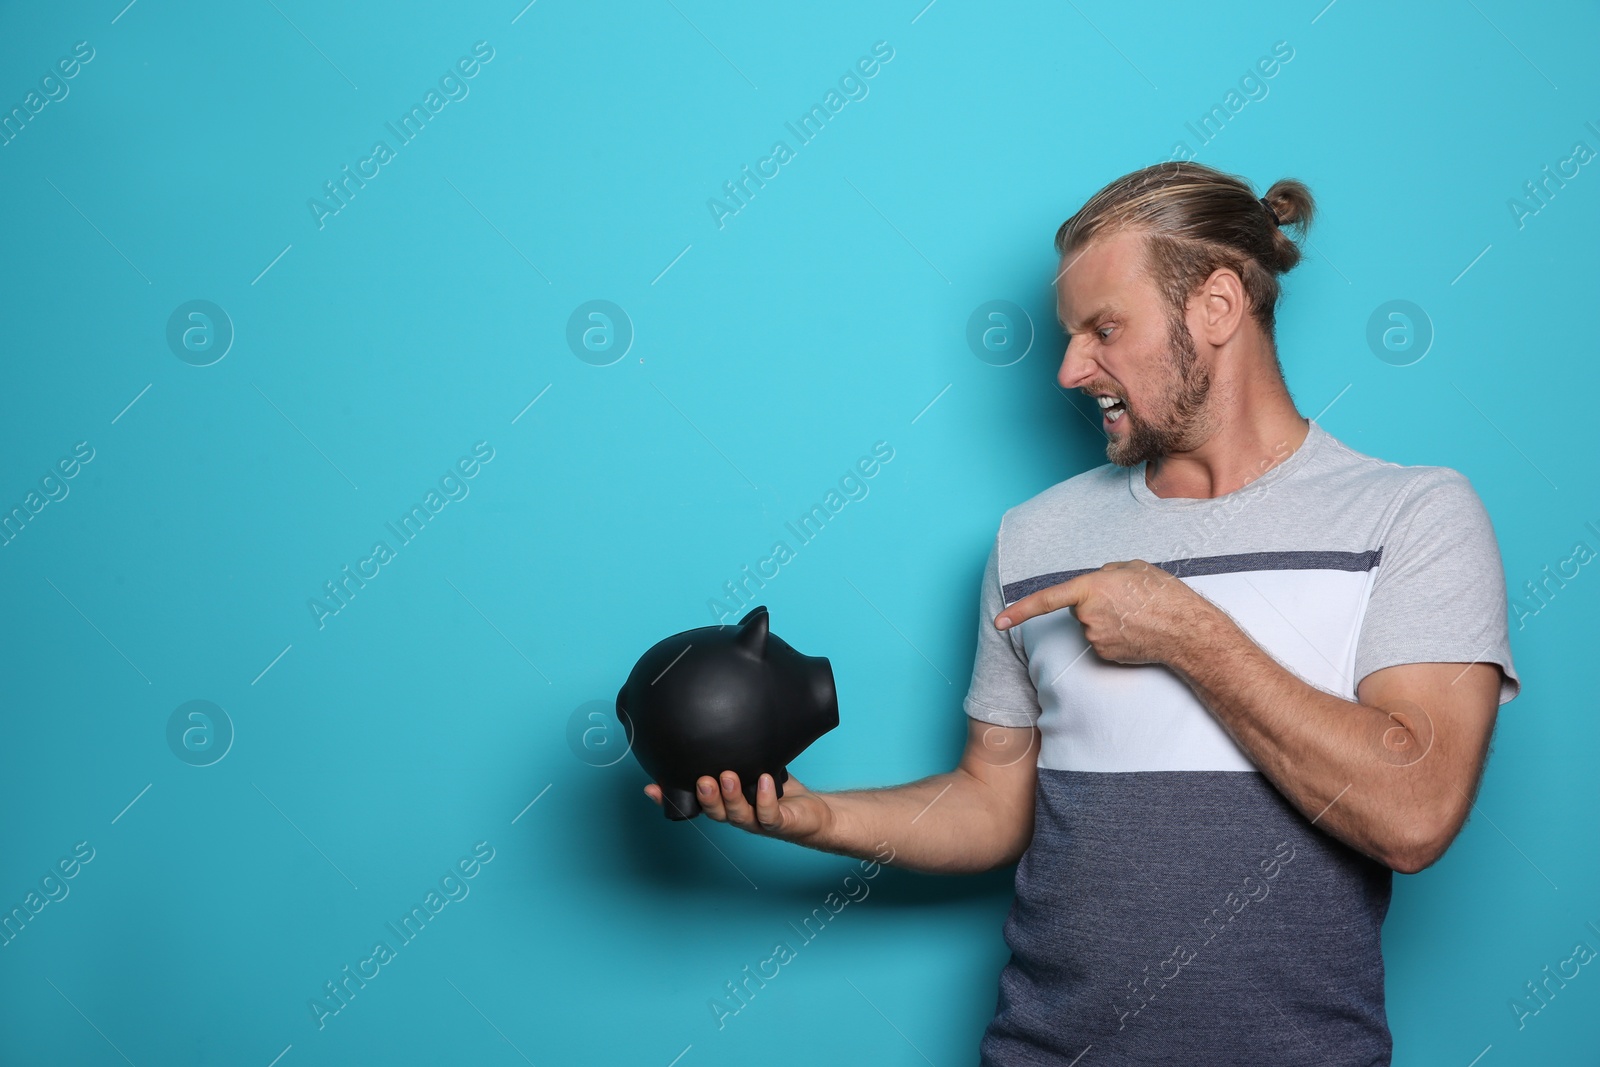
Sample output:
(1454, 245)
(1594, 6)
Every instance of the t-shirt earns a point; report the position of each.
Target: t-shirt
(1173, 906)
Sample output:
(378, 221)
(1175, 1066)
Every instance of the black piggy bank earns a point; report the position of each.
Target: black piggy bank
(724, 698)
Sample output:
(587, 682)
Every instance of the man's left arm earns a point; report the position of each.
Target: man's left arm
(1391, 773)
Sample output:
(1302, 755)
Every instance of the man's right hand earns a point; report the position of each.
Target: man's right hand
(800, 814)
(974, 818)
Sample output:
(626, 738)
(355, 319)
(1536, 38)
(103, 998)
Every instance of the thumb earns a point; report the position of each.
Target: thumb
(798, 812)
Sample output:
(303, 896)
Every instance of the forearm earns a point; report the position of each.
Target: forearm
(951, 823)
(1354, 770)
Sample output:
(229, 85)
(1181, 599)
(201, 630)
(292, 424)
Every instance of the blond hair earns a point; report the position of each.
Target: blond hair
(1197, 219)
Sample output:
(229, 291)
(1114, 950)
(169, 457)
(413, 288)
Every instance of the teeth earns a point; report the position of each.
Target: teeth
(1107, 401)
(1114, 416)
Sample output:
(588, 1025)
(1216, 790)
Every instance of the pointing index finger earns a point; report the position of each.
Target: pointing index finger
(1052, 598)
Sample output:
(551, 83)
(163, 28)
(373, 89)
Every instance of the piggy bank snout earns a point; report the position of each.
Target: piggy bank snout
(822, 702)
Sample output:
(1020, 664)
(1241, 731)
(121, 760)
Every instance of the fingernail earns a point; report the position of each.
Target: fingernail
(1002, 623)
(704, 788)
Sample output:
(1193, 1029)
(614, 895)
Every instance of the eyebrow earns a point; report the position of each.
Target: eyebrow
(1099, 313)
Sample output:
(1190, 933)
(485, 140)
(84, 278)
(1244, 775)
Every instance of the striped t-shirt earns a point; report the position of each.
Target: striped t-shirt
(1173, 906)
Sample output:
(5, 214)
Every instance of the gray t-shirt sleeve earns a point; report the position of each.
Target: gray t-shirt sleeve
(1440, 592)
(1002, 691)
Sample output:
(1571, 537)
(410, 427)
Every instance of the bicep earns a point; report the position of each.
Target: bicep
(1442, 714)
(1004, 758)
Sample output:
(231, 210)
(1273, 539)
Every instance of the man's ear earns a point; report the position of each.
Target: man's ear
(1221, 307)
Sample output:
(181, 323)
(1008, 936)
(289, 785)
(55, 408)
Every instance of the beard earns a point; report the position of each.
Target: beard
(1178, 424)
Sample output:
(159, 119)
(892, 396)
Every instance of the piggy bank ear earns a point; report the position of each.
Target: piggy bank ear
(753, 631)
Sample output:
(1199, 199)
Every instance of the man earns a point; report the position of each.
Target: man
(1225, 683)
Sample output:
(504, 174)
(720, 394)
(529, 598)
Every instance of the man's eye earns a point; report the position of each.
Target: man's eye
(1102, 331)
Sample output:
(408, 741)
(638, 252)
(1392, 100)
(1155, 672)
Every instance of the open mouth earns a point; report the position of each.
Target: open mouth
(1111, 409)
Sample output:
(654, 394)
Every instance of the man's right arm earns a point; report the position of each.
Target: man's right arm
(974, 818)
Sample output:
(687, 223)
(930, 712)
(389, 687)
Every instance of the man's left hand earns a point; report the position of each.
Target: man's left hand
(1131, 612)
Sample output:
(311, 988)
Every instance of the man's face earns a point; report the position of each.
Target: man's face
(1125, 343)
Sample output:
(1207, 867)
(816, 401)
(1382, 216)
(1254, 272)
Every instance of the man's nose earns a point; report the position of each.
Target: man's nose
(1076, 369)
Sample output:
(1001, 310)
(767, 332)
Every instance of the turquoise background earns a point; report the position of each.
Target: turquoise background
(369, 755)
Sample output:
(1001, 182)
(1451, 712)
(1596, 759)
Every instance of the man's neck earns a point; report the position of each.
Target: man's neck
(1241, 451)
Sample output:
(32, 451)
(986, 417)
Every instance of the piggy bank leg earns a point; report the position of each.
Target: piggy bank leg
(679, 804)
